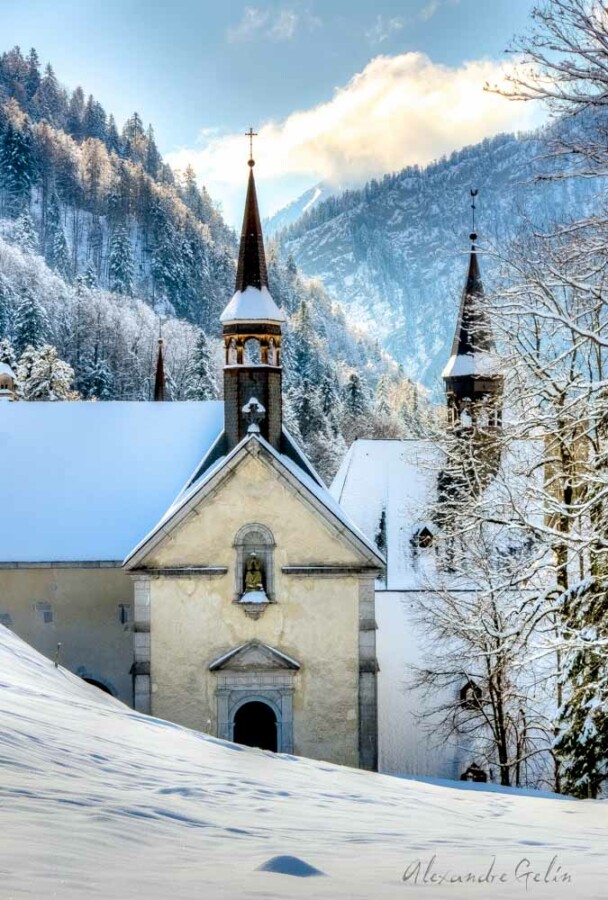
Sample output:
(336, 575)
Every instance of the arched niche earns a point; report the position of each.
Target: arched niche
(258, 539)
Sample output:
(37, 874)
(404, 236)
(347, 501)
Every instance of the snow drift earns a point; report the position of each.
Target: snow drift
(100, 801)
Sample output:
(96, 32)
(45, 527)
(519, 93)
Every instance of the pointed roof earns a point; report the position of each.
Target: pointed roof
(252, 301)
(159, 380)
(251, 271)
(473, 335)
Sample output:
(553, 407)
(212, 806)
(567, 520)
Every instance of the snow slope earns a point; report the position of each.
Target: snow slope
(98, 801)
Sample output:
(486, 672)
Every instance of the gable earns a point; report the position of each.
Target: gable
(254, 485)
(251, 656)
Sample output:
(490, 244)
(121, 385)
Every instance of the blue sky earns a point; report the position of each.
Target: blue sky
(201, 72)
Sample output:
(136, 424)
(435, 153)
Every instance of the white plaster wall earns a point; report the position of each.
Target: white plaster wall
(84, 603)
(406, 745)
(315, 619)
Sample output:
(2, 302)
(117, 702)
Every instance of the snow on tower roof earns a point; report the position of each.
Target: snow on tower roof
(87, 480)
(252, 305)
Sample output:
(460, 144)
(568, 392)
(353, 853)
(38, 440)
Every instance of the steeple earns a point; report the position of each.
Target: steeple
(252, 335)
(251, 271)
(473, 385)
(159, 380)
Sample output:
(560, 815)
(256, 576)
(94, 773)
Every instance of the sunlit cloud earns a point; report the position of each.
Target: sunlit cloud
(400, 110)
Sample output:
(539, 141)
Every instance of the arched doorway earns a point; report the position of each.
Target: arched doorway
(255, 725)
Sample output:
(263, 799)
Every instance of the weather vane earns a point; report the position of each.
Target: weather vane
(474, 192)
(251, 134)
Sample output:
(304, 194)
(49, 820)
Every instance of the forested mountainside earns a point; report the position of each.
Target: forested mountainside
(393, 252)
(100, 239)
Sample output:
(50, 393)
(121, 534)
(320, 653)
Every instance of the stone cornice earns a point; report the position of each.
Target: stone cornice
(180, 572)
(329, 571)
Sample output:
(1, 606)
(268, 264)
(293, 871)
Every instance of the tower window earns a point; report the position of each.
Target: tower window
(423, 537)
(254, 570)
(252, 355)
(471, 695)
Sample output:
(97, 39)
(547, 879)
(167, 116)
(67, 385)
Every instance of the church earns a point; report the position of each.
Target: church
(186, 557)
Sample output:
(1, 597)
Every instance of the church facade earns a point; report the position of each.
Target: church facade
(188, 559)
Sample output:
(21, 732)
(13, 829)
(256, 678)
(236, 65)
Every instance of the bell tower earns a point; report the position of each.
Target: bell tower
(252, 326)
(473, 386)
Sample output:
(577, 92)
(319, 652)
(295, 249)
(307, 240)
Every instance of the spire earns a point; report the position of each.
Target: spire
(473, 382)
(159, 380)
(473, 333)
(251, 271)
(251, 301)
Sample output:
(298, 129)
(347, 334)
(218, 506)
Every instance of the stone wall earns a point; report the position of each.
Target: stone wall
(80, 607)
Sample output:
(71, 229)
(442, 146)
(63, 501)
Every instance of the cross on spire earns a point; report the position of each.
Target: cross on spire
(251, 134)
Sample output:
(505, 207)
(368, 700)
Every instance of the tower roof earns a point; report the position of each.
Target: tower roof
(473, 335)
(251, 271)
(159, 379)
(252, 301)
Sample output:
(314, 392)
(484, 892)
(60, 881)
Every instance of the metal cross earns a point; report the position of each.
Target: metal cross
(251, 134)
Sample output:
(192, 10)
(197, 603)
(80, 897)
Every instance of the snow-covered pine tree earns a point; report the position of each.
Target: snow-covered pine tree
(7, 307)
(355, 397)
(89, 279)
(121, 262)
(16, 166)
(25, 234)
(7, 354)
(95, 380)
(31, 322)
(43, 376)
(582, 742)
(201, 380)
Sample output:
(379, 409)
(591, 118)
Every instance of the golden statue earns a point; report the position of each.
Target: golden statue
(253, 574)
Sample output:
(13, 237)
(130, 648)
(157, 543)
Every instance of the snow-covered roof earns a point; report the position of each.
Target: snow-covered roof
(84, 481)
(5, 369)
(188, 498)
(479, 363)
(399, 478)
(252, 305)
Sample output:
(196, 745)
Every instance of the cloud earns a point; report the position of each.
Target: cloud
(431, 7)
(400, 110)
(383, 28)
(271, 23)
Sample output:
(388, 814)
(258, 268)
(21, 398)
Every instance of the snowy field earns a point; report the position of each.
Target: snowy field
(98, 801)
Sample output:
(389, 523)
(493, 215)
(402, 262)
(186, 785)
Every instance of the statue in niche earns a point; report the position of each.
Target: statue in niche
(253, 574)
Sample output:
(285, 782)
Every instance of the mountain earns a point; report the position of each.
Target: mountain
(289, 214)
(393, 253)
(100, 240)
